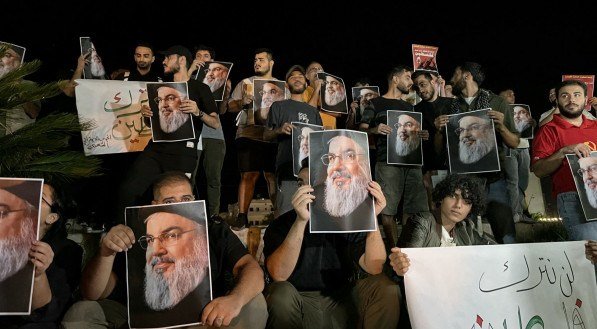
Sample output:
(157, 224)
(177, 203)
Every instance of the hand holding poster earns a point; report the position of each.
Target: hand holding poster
(20, 209)
(169, 121)
(168, 270)
(584, 171)
(540, 285)
(424, 58)
(214, 75)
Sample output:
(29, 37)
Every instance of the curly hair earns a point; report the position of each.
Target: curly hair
(470, 187)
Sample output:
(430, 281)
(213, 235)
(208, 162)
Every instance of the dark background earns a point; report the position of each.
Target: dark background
(523, 50)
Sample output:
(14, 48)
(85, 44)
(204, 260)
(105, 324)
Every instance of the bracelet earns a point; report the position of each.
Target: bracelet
(200, 114)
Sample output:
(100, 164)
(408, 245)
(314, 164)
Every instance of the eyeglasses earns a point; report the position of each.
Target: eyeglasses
(301, 137)
(167, 239)
(184, 198)
(5, 211)
(272, 92)
(591, 170)
(169, 99)
(408, 125)
(346, 157)
(216, 69)
(473, 127)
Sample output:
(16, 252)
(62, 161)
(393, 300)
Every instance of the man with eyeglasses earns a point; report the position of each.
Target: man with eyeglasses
(334, 96)
(237, 305)
(476, 144)
(408, 141)
(342, 195)
(588, 172)
(569, 132)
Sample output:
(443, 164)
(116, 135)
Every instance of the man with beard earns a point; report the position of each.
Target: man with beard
(569, 132)
(279, 130)
(20, 250)
(253, 153)
(173, 123)
(304, 143)
(235, 305)
(466, 81)
(476, 144)
(215, 78)
(144, 58)
(334, 95)
(315, 275)
(24, 114)
(394, 179)
(342, 203)
(522, 120)
(588, 170)
(157, 158)
(408, 142)
(270, 93)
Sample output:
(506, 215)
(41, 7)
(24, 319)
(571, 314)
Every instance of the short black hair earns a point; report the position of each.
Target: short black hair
(212, 52)
(398, 70)
(167, 178)
(571, 83)
(476, 71)
(470, 187)
(270, 54)
(143, 43)
(417, 74)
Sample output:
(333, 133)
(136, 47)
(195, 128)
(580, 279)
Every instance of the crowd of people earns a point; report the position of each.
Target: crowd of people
(308, 280)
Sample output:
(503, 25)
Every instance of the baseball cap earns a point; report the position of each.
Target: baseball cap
(178, 50)
(293, 69)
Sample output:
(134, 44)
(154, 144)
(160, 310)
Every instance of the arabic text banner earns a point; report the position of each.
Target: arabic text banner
(115, 108)
(540, 285)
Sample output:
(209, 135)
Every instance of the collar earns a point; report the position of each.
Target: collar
(563, 123)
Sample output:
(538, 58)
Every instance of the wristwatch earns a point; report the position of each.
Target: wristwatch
(200, 114)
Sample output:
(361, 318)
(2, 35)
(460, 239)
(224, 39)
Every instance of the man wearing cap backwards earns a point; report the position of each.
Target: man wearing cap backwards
(19, 248)
(157, 158)
(103, 284)
(279, 130)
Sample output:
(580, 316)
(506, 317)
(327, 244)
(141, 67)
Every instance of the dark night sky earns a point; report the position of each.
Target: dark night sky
(525, 51)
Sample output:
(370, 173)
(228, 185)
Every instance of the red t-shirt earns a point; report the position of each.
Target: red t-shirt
(559, 133)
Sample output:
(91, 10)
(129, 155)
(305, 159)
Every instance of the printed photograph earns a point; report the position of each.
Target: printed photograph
(266, 93)
(94, 68)
(300, 143)
(214, 74)
(169, 123)
(12, 59)
(584, 171)
(523, 120)
(333, 93)
(404, 143)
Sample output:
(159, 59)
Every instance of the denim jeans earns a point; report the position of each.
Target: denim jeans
(516, 172)
(499, 212)
(573, 217)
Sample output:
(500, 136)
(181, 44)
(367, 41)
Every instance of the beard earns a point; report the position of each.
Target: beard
(340, 202)
(175, 120)
(407, 146)
(570, 114)
(476, 151)
(591, 195)
(164, 292)
(14, 251)
(303, 154)
(97, 69)
(334, 98)
(215, 83)
(5, 70)
(521, 125)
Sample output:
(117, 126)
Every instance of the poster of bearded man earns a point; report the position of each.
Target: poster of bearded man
(300, 143)
(339, 172)
(584, 171)
(214, 75)
(472, 146)
(13, 58)
(20, 202)
(94, 67)
(523, 120)
(169, 123)
(168, 268)
(332, 93)
(404, 142)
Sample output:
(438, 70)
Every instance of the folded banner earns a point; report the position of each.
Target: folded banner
(538, 285)
(115, 109)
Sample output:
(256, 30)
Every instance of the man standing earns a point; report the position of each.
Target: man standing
(569, 132)
(144, 58)
(315, 275)
(157, 158)
(279, 130)
(253, 153)
(394, 179)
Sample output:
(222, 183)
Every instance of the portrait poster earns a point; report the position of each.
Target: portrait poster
(523, 120)
(16, 50)
(589, 80)
(94, 69)
(339, 172)
(404, 144)
(472, 145)
(584, 171)
(20, 209)
(332, 93)
(168, 122)
(523, 285)
(424, 58)
(114, 107)
(266, 92)
(214, 75)
(300, 143)
(168, 268)
(364, 93)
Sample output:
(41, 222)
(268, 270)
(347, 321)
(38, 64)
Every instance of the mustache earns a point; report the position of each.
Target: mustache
(468, 139)
(337, 174)
(158, 260)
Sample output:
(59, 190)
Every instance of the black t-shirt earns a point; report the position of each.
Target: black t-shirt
(200, 93)
(290, 111)
(430, 111)
(326, 261)
(376, 113)
(225, 250)
(134, 75)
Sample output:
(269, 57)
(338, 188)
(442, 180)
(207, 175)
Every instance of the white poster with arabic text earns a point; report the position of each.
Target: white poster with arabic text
(115, 109)
(521, 286)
